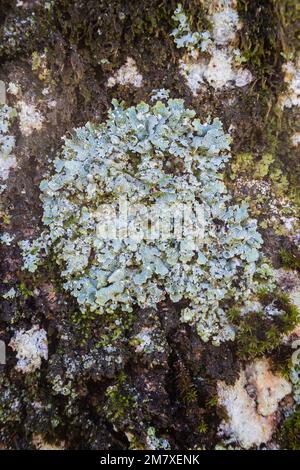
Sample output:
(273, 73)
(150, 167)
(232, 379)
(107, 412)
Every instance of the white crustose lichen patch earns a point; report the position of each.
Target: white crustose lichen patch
(220, 67)
(251, 404)
(31, 347)
(7, 142)
(30, 118)
(296, 139)
(128, 74)
(292, 78)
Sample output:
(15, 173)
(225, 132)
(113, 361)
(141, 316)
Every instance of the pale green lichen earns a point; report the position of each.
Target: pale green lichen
(184, 37)
(219, 67)
(295, 372)
(157, 157)
(156, 443)
(160, 94)
(7, 141)
(6, 238)
(32, 250)
(10, 294)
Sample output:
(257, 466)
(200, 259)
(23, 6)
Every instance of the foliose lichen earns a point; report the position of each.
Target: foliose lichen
(7, 141)
(159, 158)
(183, 35)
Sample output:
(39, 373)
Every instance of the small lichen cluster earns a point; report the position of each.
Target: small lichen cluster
(128, 75)
(154, 442)
(260, 182)
(212, 56)
(155, 157)
(295, 374)
(183, 35)
(7, 142)
(292, 78)
(31, 347)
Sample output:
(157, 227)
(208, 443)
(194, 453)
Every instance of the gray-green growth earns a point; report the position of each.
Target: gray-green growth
(157, 155)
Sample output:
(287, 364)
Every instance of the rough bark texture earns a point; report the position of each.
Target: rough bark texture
(78, 398)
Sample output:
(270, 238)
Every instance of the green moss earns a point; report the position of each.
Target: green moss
(120, 402)
(265, 187)
(289, 434)
(256, 167)
(266, 44)
(258, 335)
(186, 388)
(203, 427)
(290, 259)
(135, 443)
(25, 291)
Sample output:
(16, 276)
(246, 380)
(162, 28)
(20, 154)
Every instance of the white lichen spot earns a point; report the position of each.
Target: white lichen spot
(2, 92)
(154, 442)
(270, 388)
(225, 23)
(292, 78)
(6, 238)
(10, 294)
(220, 67)
(128, 74)
(193, 71)
(7, 142)
(31, 347)
(244, 425)
(6, 165)
(251, 404)
(143, 339)
(30, 118)
(13, 88)
(219, 72)
(296, 139)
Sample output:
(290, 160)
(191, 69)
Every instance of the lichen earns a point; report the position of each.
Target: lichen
(212, 56)
(295, 371)
(184, 37)
(7, 142)
(156, 443)
(30, 118)
(31, 346)
(32, 252)
(6, 238)
(127, 75)
(10, 294)
(292, 78)
(251, 404)
(158, 157)
(59, 56)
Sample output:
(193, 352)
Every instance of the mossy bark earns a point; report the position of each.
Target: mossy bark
(71, 48)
